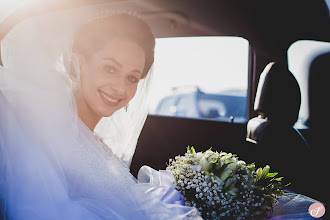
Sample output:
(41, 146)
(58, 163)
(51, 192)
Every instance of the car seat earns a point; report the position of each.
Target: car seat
(275, 140)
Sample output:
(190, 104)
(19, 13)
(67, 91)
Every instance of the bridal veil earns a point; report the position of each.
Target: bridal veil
(51, 165)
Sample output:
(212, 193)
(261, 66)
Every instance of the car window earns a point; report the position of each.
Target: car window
(300, 56)
(167, 106)
(208, 75)
(186, 106)
(225, 107)
(211, 108)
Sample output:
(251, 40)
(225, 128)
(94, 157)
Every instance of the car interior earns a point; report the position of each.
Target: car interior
(272, 132)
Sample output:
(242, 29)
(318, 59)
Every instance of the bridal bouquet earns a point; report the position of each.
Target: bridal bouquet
(219, 185)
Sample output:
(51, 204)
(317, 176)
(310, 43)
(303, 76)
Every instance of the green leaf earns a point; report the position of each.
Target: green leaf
(251, 167)
(269, 175)
(279, 178)
(192, 149)
(265, 171)
(286, 185)
(259, 172)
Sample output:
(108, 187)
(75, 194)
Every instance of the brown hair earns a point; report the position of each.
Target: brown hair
(94, 35)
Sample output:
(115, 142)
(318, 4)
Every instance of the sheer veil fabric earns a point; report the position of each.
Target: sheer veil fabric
(51, 165)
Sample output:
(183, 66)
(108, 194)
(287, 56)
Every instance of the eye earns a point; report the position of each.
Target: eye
(133, 79)
(109, 69)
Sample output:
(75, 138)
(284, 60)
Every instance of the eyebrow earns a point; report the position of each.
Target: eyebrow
(120, 65)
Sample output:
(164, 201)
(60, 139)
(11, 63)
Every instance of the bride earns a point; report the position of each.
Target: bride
(69, 78)
(73, 99)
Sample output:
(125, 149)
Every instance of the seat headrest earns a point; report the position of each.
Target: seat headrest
(278, 95)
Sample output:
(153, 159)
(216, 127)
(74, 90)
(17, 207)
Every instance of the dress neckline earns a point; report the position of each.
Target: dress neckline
(108, 150)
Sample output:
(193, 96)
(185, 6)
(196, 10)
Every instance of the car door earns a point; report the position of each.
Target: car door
(270, 29)
(207, 65)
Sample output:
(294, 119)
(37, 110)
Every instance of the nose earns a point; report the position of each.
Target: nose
(118, 85)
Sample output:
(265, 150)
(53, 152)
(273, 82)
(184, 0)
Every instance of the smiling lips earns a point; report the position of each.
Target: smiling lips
(110, 100)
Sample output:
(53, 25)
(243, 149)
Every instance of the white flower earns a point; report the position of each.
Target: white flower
(241, 162)
(203, 161)
(199, 155)
(212, 157)
(197, 167)
(208, 153)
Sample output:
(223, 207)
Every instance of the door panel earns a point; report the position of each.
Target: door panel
(163, 138)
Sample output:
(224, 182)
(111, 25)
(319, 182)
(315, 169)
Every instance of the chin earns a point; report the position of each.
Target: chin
(105, 110)
(108, 113)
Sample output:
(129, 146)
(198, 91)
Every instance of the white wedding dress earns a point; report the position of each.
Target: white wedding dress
(51, 165)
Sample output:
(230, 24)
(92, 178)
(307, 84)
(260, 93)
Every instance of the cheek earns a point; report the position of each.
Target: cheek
(131, 91)
(89, 83)
(86, 83)
(91, 75)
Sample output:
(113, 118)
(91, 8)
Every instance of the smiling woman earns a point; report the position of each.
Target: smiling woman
(108, 84)
(113, 55)
(80, 76)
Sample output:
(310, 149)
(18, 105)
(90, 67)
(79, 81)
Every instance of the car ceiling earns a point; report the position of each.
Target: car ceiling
(270, 26)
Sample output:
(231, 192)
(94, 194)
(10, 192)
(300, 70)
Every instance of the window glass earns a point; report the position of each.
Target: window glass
(300, 56)
(185, 106)
(204, 77)
(167, 106)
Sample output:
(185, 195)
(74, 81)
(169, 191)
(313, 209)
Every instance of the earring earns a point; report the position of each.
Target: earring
(126, 107)
(75, 85)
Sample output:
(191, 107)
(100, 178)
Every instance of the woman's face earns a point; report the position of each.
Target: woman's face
(109, 77)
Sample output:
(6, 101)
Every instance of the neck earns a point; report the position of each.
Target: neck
(85, 114)
(90, 122)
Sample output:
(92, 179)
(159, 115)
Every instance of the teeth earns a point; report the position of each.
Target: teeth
(109, 99)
